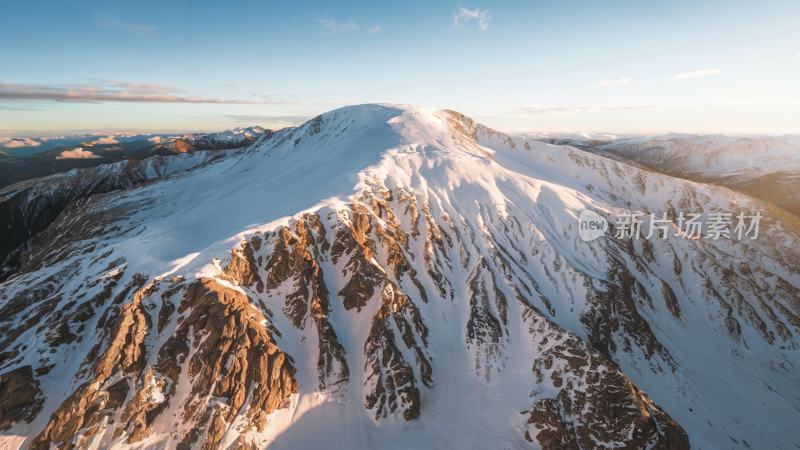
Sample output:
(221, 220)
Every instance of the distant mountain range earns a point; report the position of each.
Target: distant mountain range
(25, 158)
(765, 167)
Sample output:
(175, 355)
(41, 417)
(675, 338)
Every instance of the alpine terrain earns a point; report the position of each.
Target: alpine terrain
(391, 277)
(26, 158)
(765, 167)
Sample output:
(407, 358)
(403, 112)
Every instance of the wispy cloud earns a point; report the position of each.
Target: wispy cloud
(696, 74)
(258, 118)
(113, 91)
(465, 15)
(114, 22)
(624, 81)
(796, 56)
(334, 25)
(605, 107)
(16, 108)
(76, 153)
(752, 56)
(105, 140)
(19, 142)
(573, 109)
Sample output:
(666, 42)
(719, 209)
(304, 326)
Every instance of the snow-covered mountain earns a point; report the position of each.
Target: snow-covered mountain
(229, 138)
(766, 167)
(394, 277)
(27, 146)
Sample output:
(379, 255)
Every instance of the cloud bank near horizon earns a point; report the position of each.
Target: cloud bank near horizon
(114, 91)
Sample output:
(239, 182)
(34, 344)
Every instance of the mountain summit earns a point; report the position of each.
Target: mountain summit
(395, 277)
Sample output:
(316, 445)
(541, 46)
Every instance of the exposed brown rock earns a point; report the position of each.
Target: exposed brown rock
(21, 398)
(596, 405)
(243, 268)
(391, 383)
(294, 257)
(82, 413)
(614, 309)
(235, 358)
(486, 326)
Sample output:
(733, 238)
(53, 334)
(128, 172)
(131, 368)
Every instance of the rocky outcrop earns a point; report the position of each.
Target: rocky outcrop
(596, 406)
(294, 258)
(488, 319)
(21, 397)
(235, 360)
(218, 343)
(613, 312)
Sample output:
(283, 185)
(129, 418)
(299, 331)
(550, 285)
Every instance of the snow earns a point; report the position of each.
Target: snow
(188, 223)
(714, 155)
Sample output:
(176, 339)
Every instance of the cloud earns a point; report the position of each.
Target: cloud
(106, 140)
(753, 56)
(465, 15)
(572, 109)
(696, 74)
(19, 142)
(16, 108)
(113, 91)
(256, 118)
(624, 81)
(335, 26)
(156, 139)
(76, 153)
(577, 109)
(114, 22)
(796, 56)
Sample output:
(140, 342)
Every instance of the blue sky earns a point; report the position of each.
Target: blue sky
(617, 66)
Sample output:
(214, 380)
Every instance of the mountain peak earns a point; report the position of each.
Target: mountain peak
(388, 127)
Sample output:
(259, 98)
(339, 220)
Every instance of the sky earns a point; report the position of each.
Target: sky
(617, 66)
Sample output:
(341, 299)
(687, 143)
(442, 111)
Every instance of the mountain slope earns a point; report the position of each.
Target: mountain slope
(393, 277)
(767, 168)
(29, 207)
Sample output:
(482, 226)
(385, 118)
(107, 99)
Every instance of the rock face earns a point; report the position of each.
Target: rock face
(20, 397)
(444, 300)
(597, 405)
(216, 364)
